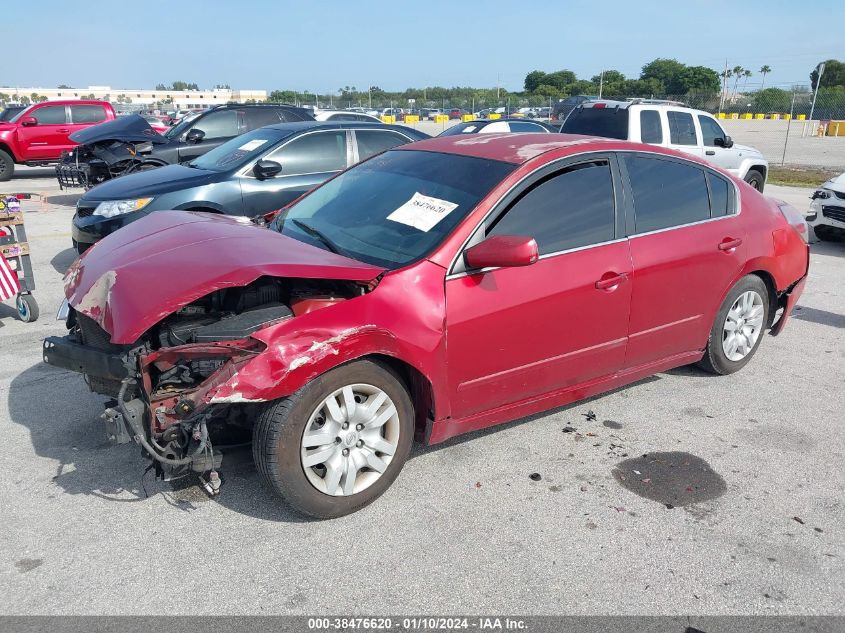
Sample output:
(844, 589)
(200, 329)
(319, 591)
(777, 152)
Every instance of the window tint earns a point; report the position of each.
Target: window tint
(313, 153)
(87, 113)
(606, 122)
(666, 193)
(572, 208)
(259, 117)
(221, 124)
(710, 130)
(720, 196)
(374, 141)
(525, 126)
(651, 129)
(50, 115)
(681, 128)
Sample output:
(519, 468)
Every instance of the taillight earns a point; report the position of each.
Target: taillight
(599, 105)
(795, 220)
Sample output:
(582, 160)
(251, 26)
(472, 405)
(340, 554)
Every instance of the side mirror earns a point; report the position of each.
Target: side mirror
(726, 142)
(194, 136)
(266, 169)
(29, 121)
(502, 251)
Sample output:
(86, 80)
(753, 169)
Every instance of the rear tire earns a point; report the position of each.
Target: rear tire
(828, 233)
(737, 320)
(755, 179)
(288, 432)
(7, 166)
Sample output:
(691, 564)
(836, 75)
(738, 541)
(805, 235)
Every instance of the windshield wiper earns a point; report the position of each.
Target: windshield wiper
(316, 233)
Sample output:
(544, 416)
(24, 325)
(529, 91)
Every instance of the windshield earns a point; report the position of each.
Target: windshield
(9, 113)
(237, 152)
(393, 209)
(605, 122)
(183, 125)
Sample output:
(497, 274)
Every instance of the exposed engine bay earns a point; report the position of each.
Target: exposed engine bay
(107, 151)
(160, 386)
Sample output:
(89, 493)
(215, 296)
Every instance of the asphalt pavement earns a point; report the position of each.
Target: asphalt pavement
(547, 515)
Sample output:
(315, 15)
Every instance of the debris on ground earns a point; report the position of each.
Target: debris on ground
(610, 424)
(798, 520)
(590, 415)
(535, 476)
(569, 429)
(818, 529)
(478, 484)
(591, 434)
(583, 488)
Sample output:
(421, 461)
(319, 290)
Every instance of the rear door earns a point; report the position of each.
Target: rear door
(259, 117)
(519, 333)
(650, 127)
(686, 247)
(306, 161)
(683, 133)
(371, 142)
(83, 116)
(49, 137)
(217, 127)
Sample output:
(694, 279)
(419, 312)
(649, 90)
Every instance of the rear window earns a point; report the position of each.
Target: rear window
(605, 122)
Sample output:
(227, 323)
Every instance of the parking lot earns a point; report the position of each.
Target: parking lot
(552, 514)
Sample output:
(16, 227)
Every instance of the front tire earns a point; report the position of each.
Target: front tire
(7, 166)
(755, 179)
(738, 327)
(338, 443)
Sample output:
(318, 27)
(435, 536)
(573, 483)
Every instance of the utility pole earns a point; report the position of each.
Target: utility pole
(370, 95)
(601, 82)
(724, 87)
(498, 79)
(820, 69)
(789, 123)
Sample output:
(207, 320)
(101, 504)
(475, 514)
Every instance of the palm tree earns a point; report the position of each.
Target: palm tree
(746, 74)
(765, 70)
(738, 70)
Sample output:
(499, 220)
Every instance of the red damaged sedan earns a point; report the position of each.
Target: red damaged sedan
(435, 289)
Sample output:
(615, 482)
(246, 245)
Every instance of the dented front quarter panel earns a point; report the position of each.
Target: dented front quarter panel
(403, 317)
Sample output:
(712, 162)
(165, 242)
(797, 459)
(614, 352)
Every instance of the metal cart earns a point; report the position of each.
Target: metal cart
(15, 248)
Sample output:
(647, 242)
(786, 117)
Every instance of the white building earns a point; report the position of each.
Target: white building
(180, 98)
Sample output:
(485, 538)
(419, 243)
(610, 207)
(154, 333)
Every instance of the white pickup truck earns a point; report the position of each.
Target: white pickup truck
(669, 124)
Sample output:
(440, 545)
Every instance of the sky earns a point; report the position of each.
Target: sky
(323, 45)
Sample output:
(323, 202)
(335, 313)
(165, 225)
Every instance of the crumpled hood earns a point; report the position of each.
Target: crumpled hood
(131, 128)
(147, 270)
(836, 184)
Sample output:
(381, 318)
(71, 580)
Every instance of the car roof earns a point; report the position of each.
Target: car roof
(298, 126)
(650, 104)
(518, 148)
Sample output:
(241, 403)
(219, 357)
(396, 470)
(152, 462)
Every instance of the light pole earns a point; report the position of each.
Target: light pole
(601, 83)
(820, 70)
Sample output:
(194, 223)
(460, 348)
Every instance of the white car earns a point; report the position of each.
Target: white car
(344, 115)
(827, 210)
(669, 125)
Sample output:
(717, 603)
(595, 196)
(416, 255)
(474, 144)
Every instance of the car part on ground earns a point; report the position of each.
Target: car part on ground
(324, 335)
(129, 144)
(827, 210)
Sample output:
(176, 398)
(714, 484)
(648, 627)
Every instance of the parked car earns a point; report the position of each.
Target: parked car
(365, 314)
(344, 115)
(129, 144)
(680, 128)
(488, 126)
(827, 210)
(249, 175)
(156, 123)
(40, 133)
(563, 107)
(435, 112)
(456, 113)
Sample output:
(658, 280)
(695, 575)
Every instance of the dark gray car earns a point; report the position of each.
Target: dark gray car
(250, 175)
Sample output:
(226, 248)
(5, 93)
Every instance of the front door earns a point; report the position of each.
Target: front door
(517, 333)
(49, 137)
(306, 161)
(726, 158)
(217, 127)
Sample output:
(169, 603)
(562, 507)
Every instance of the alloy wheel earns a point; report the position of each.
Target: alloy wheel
(743, 325)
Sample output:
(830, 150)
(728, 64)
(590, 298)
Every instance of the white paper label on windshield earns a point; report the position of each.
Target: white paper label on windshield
(253, 144)
(422, 212)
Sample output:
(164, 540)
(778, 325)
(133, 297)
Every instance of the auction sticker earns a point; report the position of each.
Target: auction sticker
(422, 212)
(253, 144)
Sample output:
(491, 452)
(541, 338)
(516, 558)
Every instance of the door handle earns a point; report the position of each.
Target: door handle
(710, 152)
(608, 283)
(63, 130)
(728, 244)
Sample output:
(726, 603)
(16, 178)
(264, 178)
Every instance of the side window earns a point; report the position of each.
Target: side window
(259, 117)
(710, 130)
(220, 124)
(312, 154)
(525, 126)
(570, 209)
(374, 141)
(681, 128)
(666, 193)
(50, 115)
(87, 113)
(651, 129)
(721, 198)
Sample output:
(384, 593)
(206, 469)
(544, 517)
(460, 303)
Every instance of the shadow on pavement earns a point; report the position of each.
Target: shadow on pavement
(64, 199)
(823, 317)
(63, 259)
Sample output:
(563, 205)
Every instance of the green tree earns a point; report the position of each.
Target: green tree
(282, 96)
(65, 87)
(663, 70)
(834, 74)
(24, 100)
(764, 70)
(737, 74)
(161, 87)
(772, 100)
(695, 79)
(533, 80)
(610, 77)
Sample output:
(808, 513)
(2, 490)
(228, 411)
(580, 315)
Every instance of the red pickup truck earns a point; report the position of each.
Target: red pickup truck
(39, 134)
